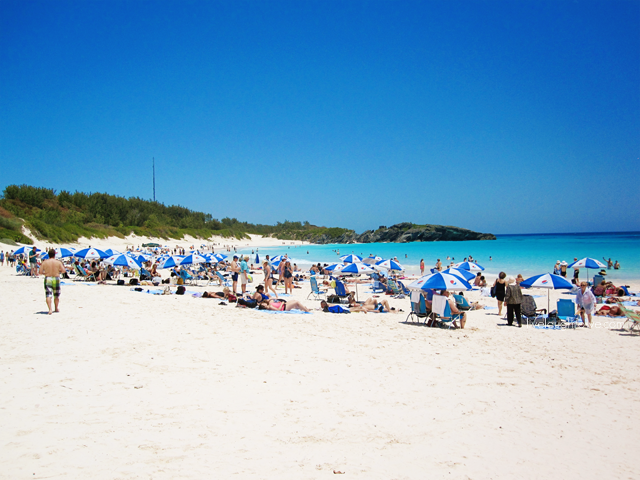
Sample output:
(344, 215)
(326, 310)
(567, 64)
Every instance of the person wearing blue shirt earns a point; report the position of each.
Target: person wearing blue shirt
(244, 272)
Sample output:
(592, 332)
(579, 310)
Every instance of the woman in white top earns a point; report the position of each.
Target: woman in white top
(586, 301)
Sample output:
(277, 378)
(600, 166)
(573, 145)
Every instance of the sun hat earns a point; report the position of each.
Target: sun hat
(602, 272)
(563, 263)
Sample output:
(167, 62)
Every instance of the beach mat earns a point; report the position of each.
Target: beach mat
(285, 311)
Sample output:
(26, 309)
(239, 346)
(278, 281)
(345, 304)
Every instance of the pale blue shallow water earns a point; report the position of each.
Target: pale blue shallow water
(513, 254)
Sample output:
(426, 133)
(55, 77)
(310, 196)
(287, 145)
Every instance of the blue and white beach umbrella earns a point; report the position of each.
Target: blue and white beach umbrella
(372, 259)
(25, 250)
(587, 263)
(60, 253)
(275, 261)
(336, 267)
(351, 258)
(548, 281)
(466, 274)
(193, 258)
(390, 265)
(472, 267)
(219, 257)
(121, 260)
(354, 269)
(257, 262)
(439, 281)
(111, 252)
(170, 262)
(90, 253)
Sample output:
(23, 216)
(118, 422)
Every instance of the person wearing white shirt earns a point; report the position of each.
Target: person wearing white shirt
(586, 302)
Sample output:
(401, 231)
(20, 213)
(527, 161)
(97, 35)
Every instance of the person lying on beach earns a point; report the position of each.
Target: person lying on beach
(223, 294)
(280, 305)
(610, 311)
(333, 308)
(371, 305)
(474, 305)
(260, 295)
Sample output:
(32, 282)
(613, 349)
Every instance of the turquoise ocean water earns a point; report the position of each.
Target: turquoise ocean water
(513, 254)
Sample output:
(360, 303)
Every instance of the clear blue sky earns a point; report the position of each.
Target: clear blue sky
(498, 116)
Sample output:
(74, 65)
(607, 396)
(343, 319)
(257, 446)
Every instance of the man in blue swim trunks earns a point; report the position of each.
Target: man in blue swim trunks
(52, 269)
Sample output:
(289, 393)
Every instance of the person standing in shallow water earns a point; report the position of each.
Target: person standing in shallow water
(52, 269)
(422, 267)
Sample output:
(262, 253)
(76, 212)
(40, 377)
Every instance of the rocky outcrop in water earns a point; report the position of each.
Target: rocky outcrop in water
(405, 232)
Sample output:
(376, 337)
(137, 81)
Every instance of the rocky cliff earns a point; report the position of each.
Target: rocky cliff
(403, 233)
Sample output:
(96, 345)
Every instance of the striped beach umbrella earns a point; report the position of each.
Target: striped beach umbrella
(587, 263)
(111, 252)
(439, 281)
(548, 281)
(60, 253)
(219, 256)
(390, 265)
(121, 260)
(466, 274)
(170, 262)
(472, 267)
(355, 269)
(90, 254)
(25, 250)
(193, 258)
(351, 258)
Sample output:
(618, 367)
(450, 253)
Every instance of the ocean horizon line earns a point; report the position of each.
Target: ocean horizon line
(565, 233)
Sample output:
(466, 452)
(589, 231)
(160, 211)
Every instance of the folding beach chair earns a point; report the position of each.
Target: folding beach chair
(442, 311)
(187, 278)
(223, 281)
(632, 324)
(395, 289)
(341, 291)
(567, 312)
(529, 310)
(404, 289)
(315, 290)
(418, 307)
(378, 287)
(461, 303)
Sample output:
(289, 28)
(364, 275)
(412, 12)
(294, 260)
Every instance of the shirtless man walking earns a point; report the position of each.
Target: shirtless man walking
(52, 269)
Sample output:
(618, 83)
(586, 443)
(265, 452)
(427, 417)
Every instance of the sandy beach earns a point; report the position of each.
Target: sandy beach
(123, 384)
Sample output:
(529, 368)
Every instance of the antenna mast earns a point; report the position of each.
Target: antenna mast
(154, 179)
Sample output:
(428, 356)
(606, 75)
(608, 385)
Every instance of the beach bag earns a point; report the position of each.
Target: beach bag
(180, 290)
(250, 278)
(120, 282)
(231, 298)
(133, 281)
(180, 281)
(333, 299)
(493, 291)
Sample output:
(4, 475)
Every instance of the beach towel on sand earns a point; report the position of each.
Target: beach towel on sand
(284, 311)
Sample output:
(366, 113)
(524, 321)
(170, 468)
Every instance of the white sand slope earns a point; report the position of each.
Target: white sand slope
(126, 385)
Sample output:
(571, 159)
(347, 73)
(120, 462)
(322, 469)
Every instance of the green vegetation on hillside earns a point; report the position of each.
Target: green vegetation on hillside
(66, 216)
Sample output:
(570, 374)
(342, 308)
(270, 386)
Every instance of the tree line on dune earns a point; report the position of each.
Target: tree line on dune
(66, 216)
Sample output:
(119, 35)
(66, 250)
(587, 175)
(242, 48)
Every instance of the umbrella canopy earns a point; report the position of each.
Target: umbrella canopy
(354, 269)
(275, 261)
(111, 252)
(60, 253)
(472, 267)
(121, 260)
(170, 262)
(587, 262)
(218, 256)
(90, 253)
(336, 267)
(390, 265)
(257, 262)
(548, 281)
(191, 259)
(372, 260)
(351, 258)
(25, 250)
(439, 281)
(466, 274)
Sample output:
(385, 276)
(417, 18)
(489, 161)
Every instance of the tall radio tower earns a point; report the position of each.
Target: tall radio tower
(154, 179)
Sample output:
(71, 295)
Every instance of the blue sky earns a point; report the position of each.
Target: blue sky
(498, 116)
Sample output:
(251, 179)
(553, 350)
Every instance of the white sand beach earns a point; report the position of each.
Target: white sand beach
(123, 384)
